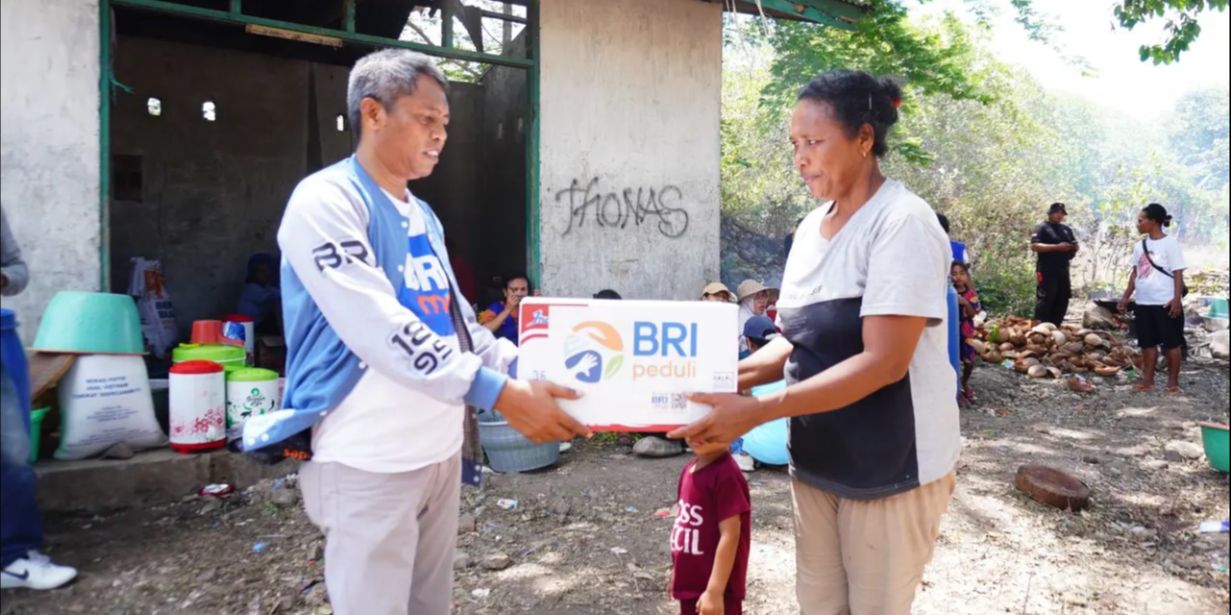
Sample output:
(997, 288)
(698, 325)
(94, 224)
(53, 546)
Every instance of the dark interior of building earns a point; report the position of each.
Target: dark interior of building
(212, 125)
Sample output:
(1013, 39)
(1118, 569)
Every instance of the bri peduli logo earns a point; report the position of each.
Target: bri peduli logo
(593, 351)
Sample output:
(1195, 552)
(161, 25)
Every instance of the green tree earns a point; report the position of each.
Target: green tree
(1181, 27)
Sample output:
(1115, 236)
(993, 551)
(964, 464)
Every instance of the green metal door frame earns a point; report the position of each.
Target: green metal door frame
(235, 15)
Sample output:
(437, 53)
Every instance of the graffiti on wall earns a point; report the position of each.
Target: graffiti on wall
(616, 209)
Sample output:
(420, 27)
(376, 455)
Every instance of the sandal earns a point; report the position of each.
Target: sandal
(969, 394)
(1143, 387)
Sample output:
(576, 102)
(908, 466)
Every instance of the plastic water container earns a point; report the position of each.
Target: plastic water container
(241, 328)
(198, 406)
(251, 391)
(36, 430)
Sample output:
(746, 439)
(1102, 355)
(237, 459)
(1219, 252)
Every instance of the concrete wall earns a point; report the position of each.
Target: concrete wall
(630, 146)
(49, 171)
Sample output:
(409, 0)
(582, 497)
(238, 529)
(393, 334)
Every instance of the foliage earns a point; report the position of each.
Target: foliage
(981, 142)
(1181, 27)
(425, 26)
(927, 61)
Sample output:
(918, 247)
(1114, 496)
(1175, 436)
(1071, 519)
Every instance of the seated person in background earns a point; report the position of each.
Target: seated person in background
(501, 317)
(261, 298)
(754, 298)
(607, 293)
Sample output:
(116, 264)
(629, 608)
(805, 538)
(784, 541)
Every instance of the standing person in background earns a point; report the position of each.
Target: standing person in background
(969, 305)
(1157, 280)
(961, 253)
(1054, 243)
(501, 317)
(21, 525)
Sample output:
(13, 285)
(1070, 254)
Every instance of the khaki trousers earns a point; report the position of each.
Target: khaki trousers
(389, 538)
(864, 557)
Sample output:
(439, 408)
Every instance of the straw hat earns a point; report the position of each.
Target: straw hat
(748, 288)
(714, 288)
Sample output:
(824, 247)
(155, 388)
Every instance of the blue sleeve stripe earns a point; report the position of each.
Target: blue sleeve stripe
(487, 385)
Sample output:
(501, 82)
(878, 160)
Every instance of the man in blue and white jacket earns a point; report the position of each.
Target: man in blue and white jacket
(385, 356)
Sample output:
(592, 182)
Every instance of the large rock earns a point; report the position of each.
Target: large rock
(497, 561)
(1178, 450)
(1220, 344)
(1095, 317)
(656, 446)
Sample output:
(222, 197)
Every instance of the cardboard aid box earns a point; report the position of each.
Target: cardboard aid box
(634, 361)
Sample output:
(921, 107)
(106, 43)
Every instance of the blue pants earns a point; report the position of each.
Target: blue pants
(21, 528)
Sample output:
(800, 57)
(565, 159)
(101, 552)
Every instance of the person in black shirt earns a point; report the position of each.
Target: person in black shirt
(1056, 245)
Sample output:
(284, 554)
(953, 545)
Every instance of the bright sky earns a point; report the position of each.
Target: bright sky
(1122, 81)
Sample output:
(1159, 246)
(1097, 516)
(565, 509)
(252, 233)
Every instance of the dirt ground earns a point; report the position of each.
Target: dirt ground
(585, 536)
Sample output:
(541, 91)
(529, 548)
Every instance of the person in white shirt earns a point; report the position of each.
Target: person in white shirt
(386, 359)
(1157, 281)
(874, 435)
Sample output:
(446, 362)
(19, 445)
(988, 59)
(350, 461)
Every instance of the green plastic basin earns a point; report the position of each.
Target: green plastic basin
(1217, 442)
(1218, 308)
(81, 322)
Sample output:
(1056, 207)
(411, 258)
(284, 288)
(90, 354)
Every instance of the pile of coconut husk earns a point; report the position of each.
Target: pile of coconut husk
(1043, 350)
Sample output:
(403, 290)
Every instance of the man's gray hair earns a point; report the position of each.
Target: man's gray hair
(386, 76)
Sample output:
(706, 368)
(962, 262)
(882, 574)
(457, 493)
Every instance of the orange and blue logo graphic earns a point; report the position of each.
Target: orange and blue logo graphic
(594, 351)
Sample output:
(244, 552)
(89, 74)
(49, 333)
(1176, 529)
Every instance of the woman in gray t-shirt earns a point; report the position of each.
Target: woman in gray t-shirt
(874, 420)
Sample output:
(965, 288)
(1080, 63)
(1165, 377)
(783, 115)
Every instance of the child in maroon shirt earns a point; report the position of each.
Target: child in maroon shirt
(712, 534)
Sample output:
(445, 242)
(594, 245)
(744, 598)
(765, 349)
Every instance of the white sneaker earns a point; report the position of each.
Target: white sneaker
(745, 462)
(36, 571)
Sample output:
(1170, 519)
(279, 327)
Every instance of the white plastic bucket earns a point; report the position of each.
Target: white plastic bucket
(198, 406)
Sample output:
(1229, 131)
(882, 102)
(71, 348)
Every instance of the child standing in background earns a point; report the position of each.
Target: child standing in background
(968, 301)
(712, 534)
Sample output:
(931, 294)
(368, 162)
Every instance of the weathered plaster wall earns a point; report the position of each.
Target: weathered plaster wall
(49, 171)
(630, 146)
